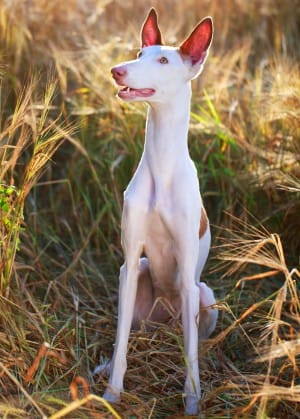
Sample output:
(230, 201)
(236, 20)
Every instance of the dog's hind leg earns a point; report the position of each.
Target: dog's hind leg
(144, 295)
(208, 315)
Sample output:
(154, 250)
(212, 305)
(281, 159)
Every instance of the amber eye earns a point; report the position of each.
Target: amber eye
(164, 60)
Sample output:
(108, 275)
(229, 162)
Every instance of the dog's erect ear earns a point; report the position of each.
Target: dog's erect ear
(150, 31)
(197, 44)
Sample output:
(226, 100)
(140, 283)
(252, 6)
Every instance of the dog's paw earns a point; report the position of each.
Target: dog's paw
(208, 315)
(103, 369)
(191, 405)
(111, 396)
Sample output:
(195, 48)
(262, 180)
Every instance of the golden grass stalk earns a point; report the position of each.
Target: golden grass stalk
(22, 389)
(76, 404)
(278, 346)
(29, 135)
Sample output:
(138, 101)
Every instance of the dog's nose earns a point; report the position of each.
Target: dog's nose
(118, 72)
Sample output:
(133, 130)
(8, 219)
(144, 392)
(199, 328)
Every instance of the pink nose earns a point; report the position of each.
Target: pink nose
(118, 72)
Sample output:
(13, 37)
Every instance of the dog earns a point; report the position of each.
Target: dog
(165, 228)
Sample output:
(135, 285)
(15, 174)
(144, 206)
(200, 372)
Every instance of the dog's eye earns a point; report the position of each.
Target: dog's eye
(139, 54)
(164, 60)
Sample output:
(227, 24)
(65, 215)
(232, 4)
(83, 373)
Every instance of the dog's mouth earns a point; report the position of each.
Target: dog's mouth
(129, 93)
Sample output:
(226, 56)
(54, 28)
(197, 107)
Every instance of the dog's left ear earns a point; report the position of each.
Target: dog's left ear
(151, 34)
(196, 46)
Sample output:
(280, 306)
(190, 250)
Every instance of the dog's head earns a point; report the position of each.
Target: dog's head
(159, 71)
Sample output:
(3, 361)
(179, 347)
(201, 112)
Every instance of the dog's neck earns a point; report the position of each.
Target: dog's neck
(166, 146)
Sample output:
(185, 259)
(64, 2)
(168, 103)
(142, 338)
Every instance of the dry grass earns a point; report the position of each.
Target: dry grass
(67, 151)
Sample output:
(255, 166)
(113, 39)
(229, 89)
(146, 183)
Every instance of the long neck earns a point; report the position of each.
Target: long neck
(166, 145)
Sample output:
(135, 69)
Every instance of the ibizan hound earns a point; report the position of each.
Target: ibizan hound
(165, 230)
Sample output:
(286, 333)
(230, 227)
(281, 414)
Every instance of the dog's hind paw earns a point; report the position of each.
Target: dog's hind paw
(103, 369)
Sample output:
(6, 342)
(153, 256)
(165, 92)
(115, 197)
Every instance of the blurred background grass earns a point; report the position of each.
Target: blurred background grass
(68, 148)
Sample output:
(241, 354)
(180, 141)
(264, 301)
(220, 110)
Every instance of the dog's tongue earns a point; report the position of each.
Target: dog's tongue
(130, 93)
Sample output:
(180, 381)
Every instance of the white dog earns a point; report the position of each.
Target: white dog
(165, 230)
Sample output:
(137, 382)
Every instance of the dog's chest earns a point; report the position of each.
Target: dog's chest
(161, 252)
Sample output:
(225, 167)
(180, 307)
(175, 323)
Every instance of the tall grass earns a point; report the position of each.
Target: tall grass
(68, 148)
(29, 139)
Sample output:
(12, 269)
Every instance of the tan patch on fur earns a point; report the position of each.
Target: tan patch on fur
(203, 222)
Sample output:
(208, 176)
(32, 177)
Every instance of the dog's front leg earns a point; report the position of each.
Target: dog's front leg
(183, 224)
(187, 255)
(129, 275)
(127, 295)
(190, 322)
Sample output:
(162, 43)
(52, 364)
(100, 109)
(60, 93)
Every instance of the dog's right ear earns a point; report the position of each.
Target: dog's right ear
(196, 46)
(151, 34)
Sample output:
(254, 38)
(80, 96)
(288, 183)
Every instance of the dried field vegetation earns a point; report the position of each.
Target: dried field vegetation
(68, 148)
